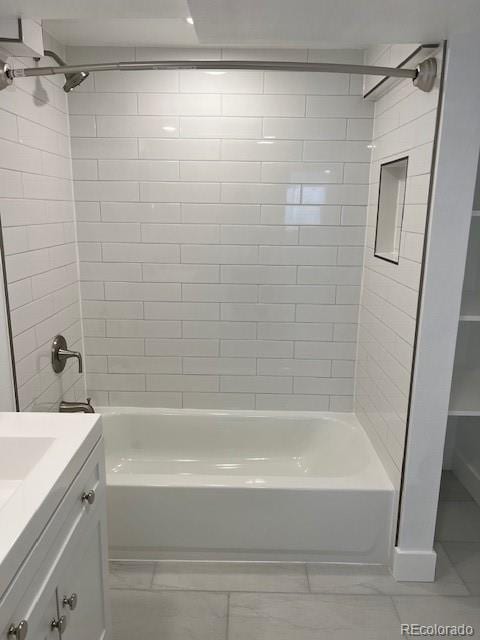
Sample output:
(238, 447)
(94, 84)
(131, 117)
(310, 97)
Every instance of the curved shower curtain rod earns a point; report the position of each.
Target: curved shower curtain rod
(423, 76)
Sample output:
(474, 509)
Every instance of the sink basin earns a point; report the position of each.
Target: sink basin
(18, 457)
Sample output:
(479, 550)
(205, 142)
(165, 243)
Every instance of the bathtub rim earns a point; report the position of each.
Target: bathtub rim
(374, 477)
(247, 413)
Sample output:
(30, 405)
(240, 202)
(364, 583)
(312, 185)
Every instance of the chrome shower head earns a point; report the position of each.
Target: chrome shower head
(72, 80)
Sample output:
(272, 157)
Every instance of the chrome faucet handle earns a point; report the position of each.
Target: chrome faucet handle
(60, 355)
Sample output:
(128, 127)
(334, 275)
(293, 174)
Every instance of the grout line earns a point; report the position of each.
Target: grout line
(300, 594)
(154, 571)
(457, 574)
(308, 578)
(397, 612)
(241, 591)
(227, 622)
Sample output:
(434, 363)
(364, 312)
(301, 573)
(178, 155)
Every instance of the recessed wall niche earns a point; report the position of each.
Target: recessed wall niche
(391, 202)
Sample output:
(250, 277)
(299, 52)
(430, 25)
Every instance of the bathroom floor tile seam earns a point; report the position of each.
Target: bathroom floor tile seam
(309, 584)
(306, 594)
(228, 611)
(353, 590)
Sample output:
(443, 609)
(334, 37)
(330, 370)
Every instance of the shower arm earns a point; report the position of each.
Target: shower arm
(423, 76)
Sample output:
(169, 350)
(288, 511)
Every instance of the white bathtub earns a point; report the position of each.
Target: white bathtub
(245, 485)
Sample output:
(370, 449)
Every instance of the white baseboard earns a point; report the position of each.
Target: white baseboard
(414, 566)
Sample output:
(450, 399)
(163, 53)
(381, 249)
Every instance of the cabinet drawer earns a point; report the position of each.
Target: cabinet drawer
(36, 579)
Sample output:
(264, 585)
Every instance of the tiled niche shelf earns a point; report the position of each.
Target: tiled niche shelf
(391, 203)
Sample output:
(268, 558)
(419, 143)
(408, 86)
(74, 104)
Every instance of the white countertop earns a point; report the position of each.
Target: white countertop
(40, 454)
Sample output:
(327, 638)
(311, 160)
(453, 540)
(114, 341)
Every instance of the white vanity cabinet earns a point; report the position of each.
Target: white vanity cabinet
(59, 589)
(81, 587)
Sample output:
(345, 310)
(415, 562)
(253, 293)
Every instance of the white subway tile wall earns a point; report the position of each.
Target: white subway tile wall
(404, 125)
(221, 220)
(38, 221)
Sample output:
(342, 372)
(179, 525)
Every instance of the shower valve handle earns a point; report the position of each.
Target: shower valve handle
(60, 355)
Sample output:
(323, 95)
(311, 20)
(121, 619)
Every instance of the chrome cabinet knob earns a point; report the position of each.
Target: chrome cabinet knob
(88, 496)
(70, 602)
(60, 624)
(19, 631)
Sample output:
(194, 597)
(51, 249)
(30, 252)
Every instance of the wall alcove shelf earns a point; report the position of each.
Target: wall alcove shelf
(465, 392)
(470, 309)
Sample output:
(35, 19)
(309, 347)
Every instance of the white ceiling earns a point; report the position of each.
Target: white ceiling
(133, 32)
(256, 23)
(327, 23)
(64, 9)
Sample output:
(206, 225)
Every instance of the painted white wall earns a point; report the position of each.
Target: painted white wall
(453, 194)
(450, 442)
(26, 34)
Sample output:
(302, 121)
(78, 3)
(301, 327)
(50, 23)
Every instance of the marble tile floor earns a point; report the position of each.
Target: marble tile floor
(274, 601)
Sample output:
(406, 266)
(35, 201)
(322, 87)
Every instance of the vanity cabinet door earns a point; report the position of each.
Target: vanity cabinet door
(82, 586)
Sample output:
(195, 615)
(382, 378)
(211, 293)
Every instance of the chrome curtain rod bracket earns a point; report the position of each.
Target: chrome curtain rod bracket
(426, 74)
(6, 75)
(423, 76)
